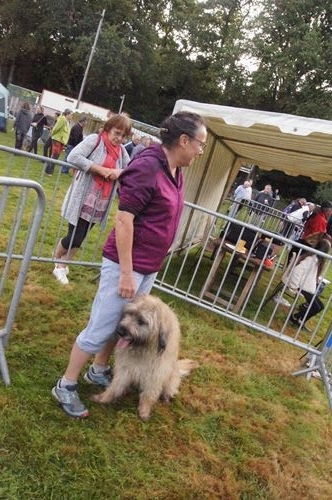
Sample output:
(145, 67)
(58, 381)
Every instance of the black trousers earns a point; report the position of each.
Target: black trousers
(19, 138)
(309, 309)
(76, 234)
(34, 141)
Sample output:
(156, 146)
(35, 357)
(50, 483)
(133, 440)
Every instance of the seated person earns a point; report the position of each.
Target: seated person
(304, 276)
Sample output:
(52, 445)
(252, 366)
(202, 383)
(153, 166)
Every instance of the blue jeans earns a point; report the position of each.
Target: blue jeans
(65, 170)
(107, 307)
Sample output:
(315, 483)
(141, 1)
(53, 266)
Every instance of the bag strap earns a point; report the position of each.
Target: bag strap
(40, 119)
(87, 157)
(95, 146)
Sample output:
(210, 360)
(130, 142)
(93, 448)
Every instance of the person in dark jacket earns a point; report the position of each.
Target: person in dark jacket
(48, 142)
(75, 137)
(135, 140)
(265, 196)
(22, 124)
(151, 199)
(39, 120)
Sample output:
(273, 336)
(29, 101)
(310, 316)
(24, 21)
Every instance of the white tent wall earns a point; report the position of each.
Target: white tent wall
(205, 183)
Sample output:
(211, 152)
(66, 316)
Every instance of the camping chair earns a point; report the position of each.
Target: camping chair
(282, 285)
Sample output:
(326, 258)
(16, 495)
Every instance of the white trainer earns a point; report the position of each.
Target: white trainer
(61, 275)
(280, 300)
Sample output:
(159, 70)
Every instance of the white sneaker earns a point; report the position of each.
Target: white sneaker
(61, 275)
(280, 300)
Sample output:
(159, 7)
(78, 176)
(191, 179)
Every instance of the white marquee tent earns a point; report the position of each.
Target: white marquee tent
(293, 144)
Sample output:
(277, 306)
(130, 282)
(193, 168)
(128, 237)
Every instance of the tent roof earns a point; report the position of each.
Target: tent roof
(293, 144)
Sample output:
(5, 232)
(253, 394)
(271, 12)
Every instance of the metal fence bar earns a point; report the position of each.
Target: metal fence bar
(26, 186)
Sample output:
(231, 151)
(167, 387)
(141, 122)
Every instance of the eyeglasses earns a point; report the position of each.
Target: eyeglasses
(201, 144)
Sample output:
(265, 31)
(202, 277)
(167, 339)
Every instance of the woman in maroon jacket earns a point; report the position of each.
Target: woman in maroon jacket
(150, 205)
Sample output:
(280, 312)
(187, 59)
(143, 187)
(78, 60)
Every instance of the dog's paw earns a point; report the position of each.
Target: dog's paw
(145, 416)
(97, 398)
(166, 398)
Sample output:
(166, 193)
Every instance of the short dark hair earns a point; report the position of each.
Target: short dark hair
(180, 123)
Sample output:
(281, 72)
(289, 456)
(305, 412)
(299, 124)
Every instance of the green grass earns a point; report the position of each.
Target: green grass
(241, 427)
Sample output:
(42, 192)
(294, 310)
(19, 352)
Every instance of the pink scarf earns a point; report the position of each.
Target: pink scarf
(112, 155)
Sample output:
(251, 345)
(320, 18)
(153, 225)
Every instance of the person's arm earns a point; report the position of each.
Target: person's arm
(110, 174)
(80, 157)
(58, 124)
(124, 228)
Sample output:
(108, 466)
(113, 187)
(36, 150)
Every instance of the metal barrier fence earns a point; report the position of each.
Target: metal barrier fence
(225, 274)
(227, 266)
(21, 164)
(15, 193)
(264, 216)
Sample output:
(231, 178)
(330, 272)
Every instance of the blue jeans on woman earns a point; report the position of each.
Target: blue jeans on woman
(65, 170)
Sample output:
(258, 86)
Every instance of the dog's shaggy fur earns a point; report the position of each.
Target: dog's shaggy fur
(146, 354)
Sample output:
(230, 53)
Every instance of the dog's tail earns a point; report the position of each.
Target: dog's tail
(185, 366)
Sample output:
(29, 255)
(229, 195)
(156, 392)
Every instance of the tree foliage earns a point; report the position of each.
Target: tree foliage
(266, 54)
(292, 45)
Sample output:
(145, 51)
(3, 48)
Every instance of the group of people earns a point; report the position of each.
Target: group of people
(317, 233)
(62, 135)
(244, 194)
(137, 144)
(23, 121)
(306, 274)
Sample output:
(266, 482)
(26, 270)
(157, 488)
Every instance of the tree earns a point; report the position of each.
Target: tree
(324, 192)
(293, 48)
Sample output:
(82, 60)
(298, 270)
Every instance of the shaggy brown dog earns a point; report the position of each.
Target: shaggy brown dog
(146, 354)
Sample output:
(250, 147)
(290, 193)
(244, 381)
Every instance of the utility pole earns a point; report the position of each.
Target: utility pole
(122, 97)
(90, 59)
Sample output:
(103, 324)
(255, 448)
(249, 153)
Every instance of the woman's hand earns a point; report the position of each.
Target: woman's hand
(109, 174)
(127, 286)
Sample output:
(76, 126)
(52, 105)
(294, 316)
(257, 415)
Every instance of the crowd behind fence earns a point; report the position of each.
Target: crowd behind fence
(204, 267)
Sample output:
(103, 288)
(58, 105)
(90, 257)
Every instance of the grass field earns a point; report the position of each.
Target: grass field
(241, 427)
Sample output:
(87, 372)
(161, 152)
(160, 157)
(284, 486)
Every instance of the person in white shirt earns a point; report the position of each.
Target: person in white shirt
(242, 192)
(305, 277)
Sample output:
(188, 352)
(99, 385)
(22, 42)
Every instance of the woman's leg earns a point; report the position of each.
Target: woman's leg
(312, 307)
(144, 285)
(77, 360)
(65, 170)
(33, 144)
(64, 254)
(47, 147)
(56, 151)
(67, 247)
(18, 140)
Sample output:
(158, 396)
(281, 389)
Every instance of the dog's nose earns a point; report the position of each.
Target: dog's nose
(121, 331)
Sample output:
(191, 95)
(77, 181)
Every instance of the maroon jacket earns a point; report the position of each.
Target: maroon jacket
(155, 198)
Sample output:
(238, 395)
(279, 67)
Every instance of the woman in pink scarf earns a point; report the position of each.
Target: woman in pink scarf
(101, 157)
